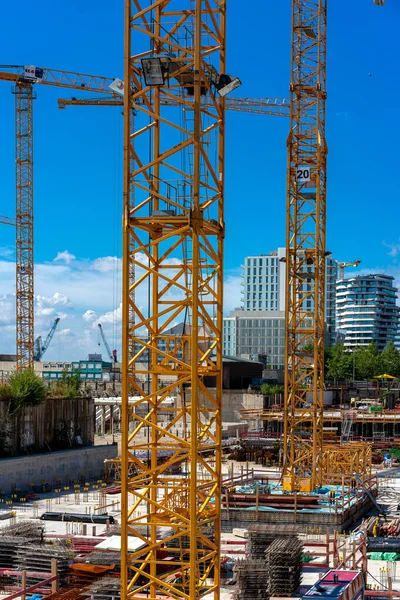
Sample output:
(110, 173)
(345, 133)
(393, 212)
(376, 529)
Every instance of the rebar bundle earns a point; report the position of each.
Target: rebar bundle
(34, 557)
(283, 565)
(106, 588)
(252, 577)
(261, 535)
(27, 529)
(8, 550)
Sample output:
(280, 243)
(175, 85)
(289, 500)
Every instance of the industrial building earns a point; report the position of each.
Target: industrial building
(367, 310)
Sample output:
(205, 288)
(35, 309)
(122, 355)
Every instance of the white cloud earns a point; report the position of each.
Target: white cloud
(83, 293)
(65, 333)
(232, 293)
(7, 310)
(394, 249)
(65, 256)
(107, 263)
(114, 316)
(89, 316)
(45, 312)
(6, 251)
(57, 299)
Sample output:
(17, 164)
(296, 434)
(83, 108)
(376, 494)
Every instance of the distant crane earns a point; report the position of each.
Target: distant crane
(343, 265)
(113, 354)
(7, 221)
(40, 347)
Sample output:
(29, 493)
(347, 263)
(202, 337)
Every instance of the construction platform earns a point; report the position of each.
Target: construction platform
(255, 497)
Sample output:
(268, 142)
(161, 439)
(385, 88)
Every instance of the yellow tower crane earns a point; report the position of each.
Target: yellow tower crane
(173, 256)
(305, 248)
(24, 78)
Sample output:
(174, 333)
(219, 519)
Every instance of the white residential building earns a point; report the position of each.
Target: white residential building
(367, 310)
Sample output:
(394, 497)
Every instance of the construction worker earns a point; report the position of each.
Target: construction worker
(376, 528)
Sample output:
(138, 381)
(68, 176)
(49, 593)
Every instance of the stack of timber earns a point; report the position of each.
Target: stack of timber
(286, 501)
(252, 580)
(283, 565)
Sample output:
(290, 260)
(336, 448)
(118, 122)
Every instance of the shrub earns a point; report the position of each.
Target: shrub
(69, 386)
(27, 389)
(5, 392)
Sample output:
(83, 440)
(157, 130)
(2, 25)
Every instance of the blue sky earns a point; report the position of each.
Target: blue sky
(78, 151)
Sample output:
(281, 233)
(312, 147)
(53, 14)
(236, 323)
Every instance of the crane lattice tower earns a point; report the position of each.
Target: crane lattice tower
(306, 246)
(172, 296)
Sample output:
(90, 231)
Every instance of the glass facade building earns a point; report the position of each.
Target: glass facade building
(367, 311)
(264, 280)
(256, 334)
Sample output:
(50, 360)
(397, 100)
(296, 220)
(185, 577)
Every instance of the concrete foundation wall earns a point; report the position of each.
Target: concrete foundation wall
(68, 465)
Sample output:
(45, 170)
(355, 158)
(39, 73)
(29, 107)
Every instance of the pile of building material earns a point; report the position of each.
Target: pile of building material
(38, 557)
(252, 580)
(261, 535)
(283, 566)
(8, 551)
(107, 588)
(29, 530)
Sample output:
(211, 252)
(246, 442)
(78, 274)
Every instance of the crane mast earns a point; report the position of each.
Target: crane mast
(24, 96)
(305, 248)
(24, 77)
(173, 252)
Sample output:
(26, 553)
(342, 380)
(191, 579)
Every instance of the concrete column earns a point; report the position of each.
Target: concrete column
(112, 419)
(103, 420)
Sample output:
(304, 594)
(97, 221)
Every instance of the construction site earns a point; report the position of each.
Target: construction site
(184, 498)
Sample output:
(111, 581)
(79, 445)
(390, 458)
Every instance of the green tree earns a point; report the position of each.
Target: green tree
(27, 389)
(390, 360)
(367, 362)
(338, 363)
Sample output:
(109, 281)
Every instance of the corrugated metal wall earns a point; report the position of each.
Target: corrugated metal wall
(56, 424)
